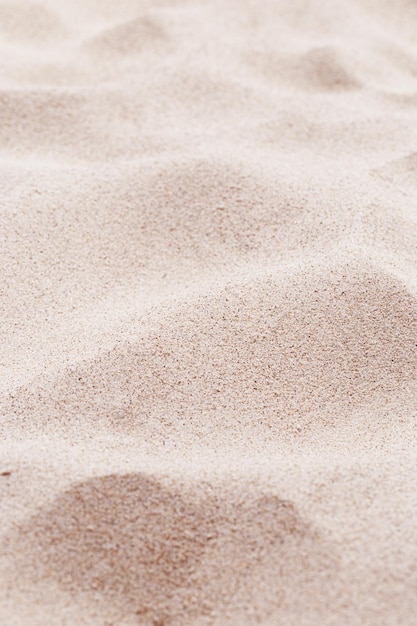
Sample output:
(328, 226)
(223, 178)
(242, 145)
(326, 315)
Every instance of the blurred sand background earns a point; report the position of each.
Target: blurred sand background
(208, 239)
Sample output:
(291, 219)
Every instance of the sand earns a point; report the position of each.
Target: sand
(208, 238)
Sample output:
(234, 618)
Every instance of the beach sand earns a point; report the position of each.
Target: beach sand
(208, 239)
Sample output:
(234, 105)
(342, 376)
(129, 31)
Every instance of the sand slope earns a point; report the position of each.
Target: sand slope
(208, 312)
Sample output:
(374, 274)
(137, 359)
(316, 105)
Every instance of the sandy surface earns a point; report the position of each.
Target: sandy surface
(208, 239)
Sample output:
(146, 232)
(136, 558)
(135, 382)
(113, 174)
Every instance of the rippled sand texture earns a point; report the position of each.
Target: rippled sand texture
(208, 363)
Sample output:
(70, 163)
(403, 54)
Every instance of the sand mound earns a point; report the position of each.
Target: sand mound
(319, 69)
(132, 37)
(169, 555)
(258, 360)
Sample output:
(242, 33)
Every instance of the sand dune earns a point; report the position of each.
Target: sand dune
(209, 312)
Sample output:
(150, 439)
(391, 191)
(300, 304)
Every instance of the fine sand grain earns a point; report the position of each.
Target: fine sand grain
(208, 234)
